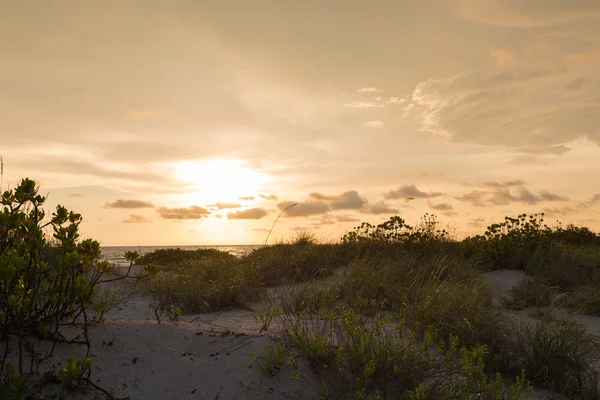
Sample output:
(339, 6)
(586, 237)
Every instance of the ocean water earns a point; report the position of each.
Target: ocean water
(115, 254)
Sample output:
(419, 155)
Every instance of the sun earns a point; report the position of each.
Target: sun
(218, 180)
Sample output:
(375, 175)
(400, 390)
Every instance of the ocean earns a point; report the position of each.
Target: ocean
(115, 254)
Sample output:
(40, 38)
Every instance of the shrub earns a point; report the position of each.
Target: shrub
(38, 293)
(203, 285)
(381, 359)
(45, 283)
(557, 355)
(163, 257)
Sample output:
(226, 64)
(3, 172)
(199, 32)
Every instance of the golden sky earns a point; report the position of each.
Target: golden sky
(197, 121)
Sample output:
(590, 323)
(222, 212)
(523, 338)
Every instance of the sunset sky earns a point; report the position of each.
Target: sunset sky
(197, 121)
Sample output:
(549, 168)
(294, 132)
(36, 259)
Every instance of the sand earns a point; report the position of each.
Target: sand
(204, 356)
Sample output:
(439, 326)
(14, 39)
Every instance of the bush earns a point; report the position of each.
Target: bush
(164, 257)
(37, 292)
(557, 355)
(386, 360)
(45, 282)
(204, 284)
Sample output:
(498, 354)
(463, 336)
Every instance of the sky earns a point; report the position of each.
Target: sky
(197, 122)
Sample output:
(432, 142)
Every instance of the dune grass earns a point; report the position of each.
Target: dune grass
(393, 309)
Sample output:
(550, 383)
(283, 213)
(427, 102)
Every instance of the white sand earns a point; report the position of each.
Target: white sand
(205, 356)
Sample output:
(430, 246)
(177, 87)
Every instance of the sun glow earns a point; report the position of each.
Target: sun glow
(218, 180)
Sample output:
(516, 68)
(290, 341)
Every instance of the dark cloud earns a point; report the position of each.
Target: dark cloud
(304, 209)
(504, 184)
(321, 197)
(440, 206)
(350, 200)
(192, 212)
(128, 204)
(346, 218)
(407, 191)
(222, 206)
(270, 197)
(136, 219)
(475, 198)
(325, 221)
(596, 198)
(545, 196)
(501, 195)
(247, 198)
(251, 213)
(77, 195)
(381, 207)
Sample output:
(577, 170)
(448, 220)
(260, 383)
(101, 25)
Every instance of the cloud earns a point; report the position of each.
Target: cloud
(504, 58)
(77, 195)
(128, 204)
(488, 109)
(407, 191)
(192, 212)
(222, 206)
(596, 198)
(374, 124)
(525, 14)
(575, 84)
(475, 198)
(501, 195)
(270, 197)
(505, 184)
(260, 230)
(546, 196)
(247, 198)
(350, 200)
(369, 90)
(251, 213)
(346, 218)
(304, 209)
(136, 219)
(325, 221)
(380, 207)
(321, 197)
(440, 206)
(363, 104)
(396, 100)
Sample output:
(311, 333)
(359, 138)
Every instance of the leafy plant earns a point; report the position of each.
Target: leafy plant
(13, 386)
(74, 371)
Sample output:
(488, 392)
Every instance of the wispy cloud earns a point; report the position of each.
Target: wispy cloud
(270, 197)
(136, 219)
(406, 191)
(128, 204)
(251, 213)
(304, 209)
(369, 90)
(185, 213)
(374, 124)
(223, 206)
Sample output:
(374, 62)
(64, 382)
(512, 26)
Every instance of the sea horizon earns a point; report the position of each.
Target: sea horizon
(116, 254)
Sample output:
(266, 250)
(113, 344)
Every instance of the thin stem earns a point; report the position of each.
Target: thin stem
(280, 214)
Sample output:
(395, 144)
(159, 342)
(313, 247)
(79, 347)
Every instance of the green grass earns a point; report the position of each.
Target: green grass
(398, 310)
(557, 355)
